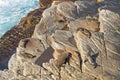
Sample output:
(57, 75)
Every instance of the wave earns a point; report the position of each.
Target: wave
(12, 10)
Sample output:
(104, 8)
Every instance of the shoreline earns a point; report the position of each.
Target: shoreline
(9, 41)
(16, 13)
(24, 29)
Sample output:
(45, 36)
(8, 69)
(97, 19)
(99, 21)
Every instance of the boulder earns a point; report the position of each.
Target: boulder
(63, 40)
(68, 9)
(73, 41)
(109, 20)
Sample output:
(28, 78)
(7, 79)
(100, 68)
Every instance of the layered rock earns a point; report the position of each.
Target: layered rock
(73, 41)
(9, 41)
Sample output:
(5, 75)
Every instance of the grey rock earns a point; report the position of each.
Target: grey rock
(89, 24)
(85, 8)
(109, 25)
(68, 9)
(71, 42)
(61, 40)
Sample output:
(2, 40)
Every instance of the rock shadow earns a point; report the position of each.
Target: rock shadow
(45, 57)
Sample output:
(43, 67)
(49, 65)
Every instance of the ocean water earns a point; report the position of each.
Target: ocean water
(11, 11)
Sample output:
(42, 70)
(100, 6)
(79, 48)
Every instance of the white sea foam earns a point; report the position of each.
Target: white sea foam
(12, 10)
(3, 3)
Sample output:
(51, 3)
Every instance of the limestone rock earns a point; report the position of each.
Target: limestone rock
(31, 69)
(73, 41)
(9, 41)
(28, 51)
(50, 22)
(86, 7)
(110, 27)
(89, 24)
(68, 9)
(61, 40)
(6, 75)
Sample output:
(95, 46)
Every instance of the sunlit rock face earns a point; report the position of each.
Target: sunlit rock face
(73, 41)
(20, 30)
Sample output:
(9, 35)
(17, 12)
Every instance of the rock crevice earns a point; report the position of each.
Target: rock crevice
(74, 40)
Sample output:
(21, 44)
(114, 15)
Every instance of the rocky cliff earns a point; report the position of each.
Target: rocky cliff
(77, 40)
(25, 28)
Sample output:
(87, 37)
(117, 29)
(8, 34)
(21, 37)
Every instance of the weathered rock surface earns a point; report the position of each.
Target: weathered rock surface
(9, 41)
(73, 41)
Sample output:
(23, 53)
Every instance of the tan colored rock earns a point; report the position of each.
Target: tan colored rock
(65, 75)
(109, 25)
(47, 3)
(31, 69)
(62, 40)
(89, 24)
(84, 47)
(72, 46)
(50, 22)
(30, 49)
(51, 68)
(67, 9)
(86, 7)
(60, 57)
(15, 66)
(64, 48)
(6, 75)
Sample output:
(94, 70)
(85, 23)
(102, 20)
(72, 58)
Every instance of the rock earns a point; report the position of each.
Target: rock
(61, 40)
(109, 25)
(31, 69)
(49, 23)
(51, 68)
(85, 8)
(89, 24)
(80, 43)
(31, 19)
(30, 49)
(47, 3)
(65, 73)
(89, 50)
(9, 41)
(6, 75)
(68, 10)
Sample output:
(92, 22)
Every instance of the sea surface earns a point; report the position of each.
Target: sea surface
(11, 11)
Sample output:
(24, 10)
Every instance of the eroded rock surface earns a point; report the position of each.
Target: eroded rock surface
(9, 41)
(73, 41)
